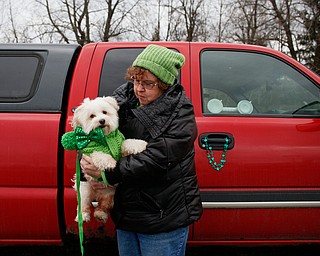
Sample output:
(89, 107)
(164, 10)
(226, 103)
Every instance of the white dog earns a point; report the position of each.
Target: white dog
(91, 118)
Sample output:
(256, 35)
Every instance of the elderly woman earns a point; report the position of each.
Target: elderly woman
(157, 196)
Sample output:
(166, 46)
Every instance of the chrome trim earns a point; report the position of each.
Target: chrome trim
(234, 205)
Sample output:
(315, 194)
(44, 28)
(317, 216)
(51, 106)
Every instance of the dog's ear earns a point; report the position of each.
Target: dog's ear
(112, 101)
(75, 120)
(86, 100)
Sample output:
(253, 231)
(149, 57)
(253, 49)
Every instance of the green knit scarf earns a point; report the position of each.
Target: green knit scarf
(94, 141)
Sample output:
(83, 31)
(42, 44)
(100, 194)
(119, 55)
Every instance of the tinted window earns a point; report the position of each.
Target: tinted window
(114, 68)
(115, 65)
(248, 83)
(18, 76)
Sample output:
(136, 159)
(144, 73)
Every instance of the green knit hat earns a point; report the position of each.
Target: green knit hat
(160, 61)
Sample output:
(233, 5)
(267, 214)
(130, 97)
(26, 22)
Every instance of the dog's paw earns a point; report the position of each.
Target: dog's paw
(101, 216)
(85, 217)
(103, 161)
(133, 146)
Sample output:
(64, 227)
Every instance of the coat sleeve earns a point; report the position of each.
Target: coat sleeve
(162, 153)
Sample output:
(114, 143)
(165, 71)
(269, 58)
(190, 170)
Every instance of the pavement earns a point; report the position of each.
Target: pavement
(97, 248)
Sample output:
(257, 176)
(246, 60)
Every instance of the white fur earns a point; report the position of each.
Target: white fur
(101, 112)
(133, 146)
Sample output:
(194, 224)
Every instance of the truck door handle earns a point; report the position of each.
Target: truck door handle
(216, 140)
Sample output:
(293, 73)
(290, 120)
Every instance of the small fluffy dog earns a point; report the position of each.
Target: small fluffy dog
(96, 134)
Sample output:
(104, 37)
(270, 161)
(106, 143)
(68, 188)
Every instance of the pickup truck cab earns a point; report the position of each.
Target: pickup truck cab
(257, 153)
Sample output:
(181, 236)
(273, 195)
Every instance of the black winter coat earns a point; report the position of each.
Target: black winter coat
(158, 188)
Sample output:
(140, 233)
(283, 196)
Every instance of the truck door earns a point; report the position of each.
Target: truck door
(257, 154)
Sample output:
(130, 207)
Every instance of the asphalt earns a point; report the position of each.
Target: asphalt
(96, 248)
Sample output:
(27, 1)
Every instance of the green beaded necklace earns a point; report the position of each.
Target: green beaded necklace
(216, 166)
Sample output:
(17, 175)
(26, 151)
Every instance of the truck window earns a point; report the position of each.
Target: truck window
(115, 65)
(249, 83)
(19, 75)
(114, 68)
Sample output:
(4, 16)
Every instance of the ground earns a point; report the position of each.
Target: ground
(97, 248)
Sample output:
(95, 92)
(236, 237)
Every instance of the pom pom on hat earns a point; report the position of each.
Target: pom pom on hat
(161, 61)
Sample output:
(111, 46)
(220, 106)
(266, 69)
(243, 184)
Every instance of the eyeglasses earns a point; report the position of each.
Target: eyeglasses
(145, 84)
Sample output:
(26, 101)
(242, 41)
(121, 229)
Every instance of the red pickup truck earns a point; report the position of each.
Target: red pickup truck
(263, 186)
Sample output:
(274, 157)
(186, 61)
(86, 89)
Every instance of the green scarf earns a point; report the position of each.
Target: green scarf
(94, 141)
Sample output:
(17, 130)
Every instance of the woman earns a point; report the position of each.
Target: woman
(157, 196)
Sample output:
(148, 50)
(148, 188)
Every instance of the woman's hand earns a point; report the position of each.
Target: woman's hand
(89, 168)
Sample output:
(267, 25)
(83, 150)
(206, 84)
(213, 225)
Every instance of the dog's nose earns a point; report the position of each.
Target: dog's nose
(102, 121)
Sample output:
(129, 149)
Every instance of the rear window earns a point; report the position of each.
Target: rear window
(115, 65)
(19, 75)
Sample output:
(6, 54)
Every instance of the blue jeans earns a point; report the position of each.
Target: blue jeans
(162, 244)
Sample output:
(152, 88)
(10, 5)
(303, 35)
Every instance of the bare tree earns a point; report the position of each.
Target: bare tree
(155, 20)
(13, 25)
(117, 11)
(170, 18)
(224, 14)
(156, 33)
(309, 39)
(83, 20)
(252, 22)
(181, 20)
(193, 23)
(144, 21)
(291, 26)
(68, 17)
(283, 12)
(10, 29)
